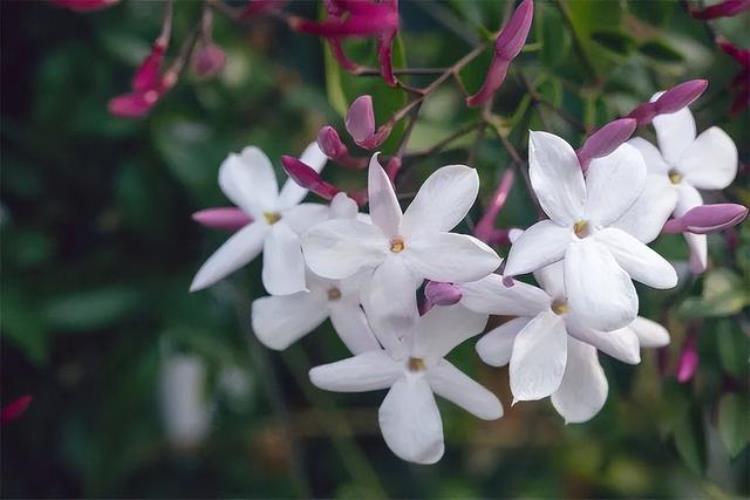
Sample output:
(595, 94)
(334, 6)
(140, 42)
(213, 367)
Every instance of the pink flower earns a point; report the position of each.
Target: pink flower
(360, 123)
(14, 409)
(687, 365)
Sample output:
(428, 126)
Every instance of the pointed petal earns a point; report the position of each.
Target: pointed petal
(410, 421)
(556, 177)
(450, 257)
(675, 133)
(540, 245)
(711, 161)
(538, 360)
(343, 207)
(443, 200)
(339, 248)
(621, 344)
(599, 291)
(279, 321)
(248, 179)
(302, 217)
(292, 193)
(639, 261)
(613, 183)
(241, 248)
(496, 347)
(584, 387)
(698, 245)
(384, 208)
(443, 328)
(369, 371)
(491, 296)
(283, 263)
(649, 333)
(647, 215)
(351, 325)
(450, 383)
(655, 163)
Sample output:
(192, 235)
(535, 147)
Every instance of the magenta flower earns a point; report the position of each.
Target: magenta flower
(360, 123)
(689, 360)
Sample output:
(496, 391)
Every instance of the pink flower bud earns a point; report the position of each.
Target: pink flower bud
(643, 114)
(705, 219)
(306, 177)
(148, 74)
(680, 96)
(330, 143)
(226, 218)
(84, 5)
(727, 8)
(14, 409)
(257, 7)
(208, 60)
(134, 104)
(688, 361)
(360, 119)
(442, 294)
(605, 140)
(485, 228)
(742, 56)
(385, 49)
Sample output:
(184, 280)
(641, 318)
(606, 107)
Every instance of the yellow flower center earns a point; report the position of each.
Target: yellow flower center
(675, 177)
(416, 365)
(581, 228)
(334, 293)
(397, 245)
(560, 307)
(272, 217)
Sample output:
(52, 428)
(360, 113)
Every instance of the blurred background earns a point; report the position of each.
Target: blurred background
(141, 389)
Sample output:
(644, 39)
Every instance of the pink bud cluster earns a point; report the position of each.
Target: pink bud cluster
(672, 100)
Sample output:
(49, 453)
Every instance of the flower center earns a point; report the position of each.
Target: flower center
(675, 177)
(334, 293)
(397, 245)
(416, 365)
(272, 217)
(581, 228)
(560, 307)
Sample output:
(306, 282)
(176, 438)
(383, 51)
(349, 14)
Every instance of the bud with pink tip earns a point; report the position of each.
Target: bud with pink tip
(308, 178)
(225, 218)
(605, 140)
(208, 60)
(507, 47)
(485, 228)
(134, 104)
(330, 143)
(727, 8)
(442, 294)
(360, 123)
(84, 5)
(705, 219)
(672, 100)
(688, 362)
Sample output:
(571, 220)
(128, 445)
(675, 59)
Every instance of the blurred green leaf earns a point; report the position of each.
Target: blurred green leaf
(734, 348)
(723, 294)
(618, 42)
(91, 309)
(21, 324)
(734, 417)
(660, 51)
(689, 438)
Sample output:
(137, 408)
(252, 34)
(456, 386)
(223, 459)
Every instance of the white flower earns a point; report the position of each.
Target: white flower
(413, 367)
(600, 259)
(550, 350)
(401, 250)
(682, 163)
(248, 179)
(185, 408)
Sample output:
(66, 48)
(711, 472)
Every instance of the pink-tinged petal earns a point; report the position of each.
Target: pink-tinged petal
(84, 5)
(655, 164)
(556, 177)
(283, 263)
(613, 183)
(443, 328)
(537, 363)
(698, 246)
(583, 390)
(599, 291)
(360, 119)
(208, 60)
(248, 179)
(705, 219)
(494, 79)
(410, 421)
(621, 344)
(443, 201)
(711, 161)
(148, 75)
(384, 208)
(492, 295)
(452, 384)
(438, 293)
(649, 333)
(639, 261)
(241, 248)
(647, 215)
(292, 192)
(687, 365)
(513, 36)
(727, 8)
(330, 143)
(15, 409)
(496, 347)
(680, 96)
(675, 132)
(279, 321)
(540, 245)
(369, 371)
(134, 104)
(456, 258)
(337, 50)
(605, 140)
(352, 327)
(306, 178)
(643, 114)
(226, 218)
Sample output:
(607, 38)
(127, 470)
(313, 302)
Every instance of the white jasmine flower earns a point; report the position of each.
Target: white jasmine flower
(599, 258)
(185, 408)
(248, 179)
(401, 250)
(412, 367)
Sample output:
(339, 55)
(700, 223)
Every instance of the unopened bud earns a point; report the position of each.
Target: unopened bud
(360, 119)
(442, 294)
(208, 60)
(308, 178)
(605, 140)
(226, 218)
(680, 96)
(688, 361)
(705, 219)
(330, 143)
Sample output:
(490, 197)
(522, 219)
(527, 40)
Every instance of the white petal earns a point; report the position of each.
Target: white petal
(647, 215)
(621, 344)
(552, 280)
(613, 183)
(339, 248)
(599, 291)
(496, 347)
(556, 177)
(711, 161)
(384, 208)
(369, 371)
(292, 193)
(283, 263)
(639, 261)
(450, 383)
(698, 245)
(687, 197)
(538, 360)
(248, 179)
(675, 133)
(343, 207)
(584, 388)
(350, 323)
(655, 163)
(302, 217)
(443, 328)
(649, 333)
(279, 321)
(491, 296)
(450, 257)
(241, 248)
(540, 245)
(443, 200)
(410, 421)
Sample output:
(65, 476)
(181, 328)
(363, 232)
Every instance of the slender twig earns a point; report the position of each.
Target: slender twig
(365, 71)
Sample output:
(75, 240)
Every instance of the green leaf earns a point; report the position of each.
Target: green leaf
(660, 51)
(690, 440)
(734, 416)
(91, 309)
(615, 41)
(723, 294)
(21, 324)
(734, 348)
